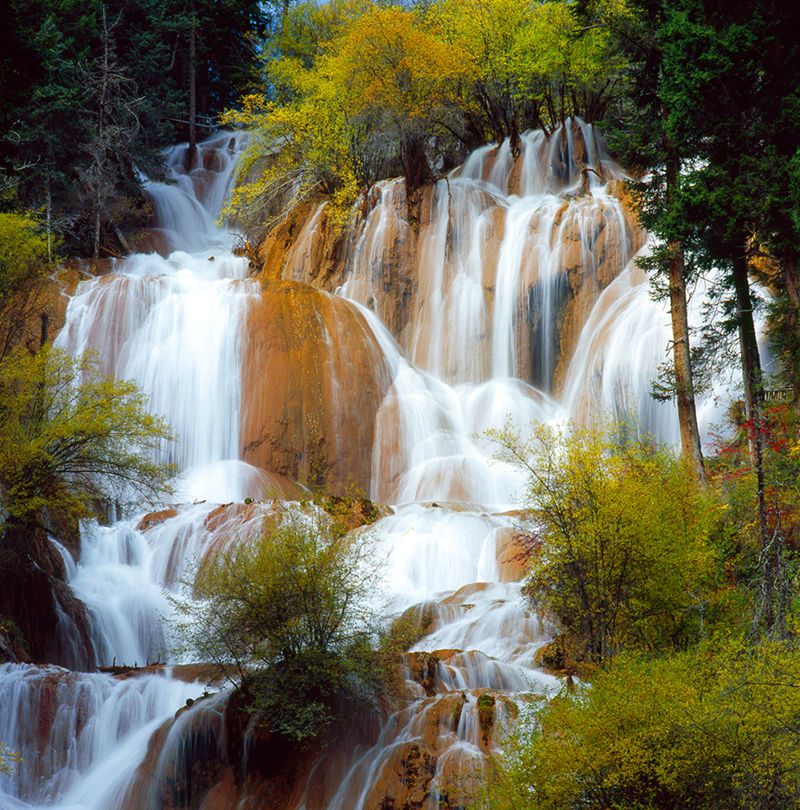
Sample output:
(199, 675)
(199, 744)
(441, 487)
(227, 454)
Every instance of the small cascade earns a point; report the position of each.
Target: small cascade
(128, 571)
(79, 732)
(170, 323)
(188, 205)
(504, 244)
(166, 323)
(621, 347)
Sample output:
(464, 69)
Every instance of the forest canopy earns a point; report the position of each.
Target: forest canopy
(356, 91)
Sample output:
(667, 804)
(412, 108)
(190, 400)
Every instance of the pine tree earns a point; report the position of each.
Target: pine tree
(640, 132)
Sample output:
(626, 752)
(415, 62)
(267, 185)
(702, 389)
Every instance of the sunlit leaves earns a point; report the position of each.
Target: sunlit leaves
(357, 90)
(71, 438)
(9, 760)
(715, 727)
(624, 557)
(23, 253)
(284, 612)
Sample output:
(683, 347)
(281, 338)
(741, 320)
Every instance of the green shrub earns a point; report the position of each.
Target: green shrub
(621, 555)
(712, 728)
(285, 614)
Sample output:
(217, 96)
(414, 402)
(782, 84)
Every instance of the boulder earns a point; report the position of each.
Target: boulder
(314, 379)
(36, 598)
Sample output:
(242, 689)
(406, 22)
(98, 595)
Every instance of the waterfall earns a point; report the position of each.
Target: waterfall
(513, 297)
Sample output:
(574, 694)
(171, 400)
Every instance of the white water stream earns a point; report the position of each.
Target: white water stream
(175, 325)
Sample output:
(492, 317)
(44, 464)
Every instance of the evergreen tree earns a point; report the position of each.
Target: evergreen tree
(716, 76)
(90, 91)
(640, 133)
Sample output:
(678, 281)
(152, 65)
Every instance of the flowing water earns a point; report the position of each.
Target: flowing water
(506, 245)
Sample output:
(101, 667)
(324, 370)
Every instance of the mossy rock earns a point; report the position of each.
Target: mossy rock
(423, 668)
(565, 655)
(350, 512)
(486, 711)
(411, 626)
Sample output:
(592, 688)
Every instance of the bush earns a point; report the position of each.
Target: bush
(713, 728)
(621, 553)
(284, 613)
(24, 264)
(9, 759)
(71, 439)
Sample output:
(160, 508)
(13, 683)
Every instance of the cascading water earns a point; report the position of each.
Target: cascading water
(510, 260)
(505, 246)
(168, 322)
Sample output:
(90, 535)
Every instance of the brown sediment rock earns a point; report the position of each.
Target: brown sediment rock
(211, 674)
(512, 554)
(35, 597)
(351, 512)
(314, 379)
(38, 310)
(218, 758)
(413, 624)
(405, 780)
(303, 246)
(422, 667)
(182, 777)
(465, 592)
(13, 649)
(565, 655)
(584, 288)
(296, 248)
(228, 513)
(150, 240)
(155, 518)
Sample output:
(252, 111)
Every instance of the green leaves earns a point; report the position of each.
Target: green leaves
(622, 556)
(71, 438)
(23, 254)
(284, 612)
(715, 727)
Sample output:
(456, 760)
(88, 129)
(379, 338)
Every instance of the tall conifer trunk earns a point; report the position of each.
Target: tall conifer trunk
(771, 607)
(791, 285)
(192, 88)
(684, 387)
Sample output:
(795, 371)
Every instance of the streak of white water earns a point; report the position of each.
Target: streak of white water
(79, 733)
(173, 325)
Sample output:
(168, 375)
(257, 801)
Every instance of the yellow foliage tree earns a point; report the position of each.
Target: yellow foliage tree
(350, 109)
(622, 554)
(531, 64)
(70, 439)
(712, 728)
(358, 90)
(24, 264)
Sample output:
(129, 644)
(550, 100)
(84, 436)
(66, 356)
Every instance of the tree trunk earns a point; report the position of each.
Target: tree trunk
(49, 221)
(100, 149)
(770, 556)
(193, 86)
(791, 284)
(684, 387)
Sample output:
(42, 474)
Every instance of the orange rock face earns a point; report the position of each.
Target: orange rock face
(314, 378)
(512, 555)
(415, 269)
(155, 518)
